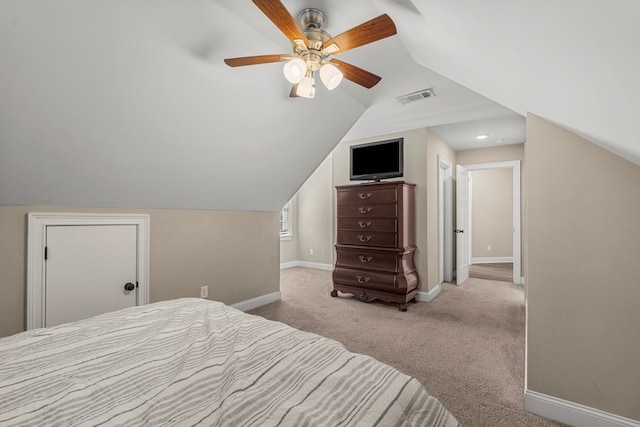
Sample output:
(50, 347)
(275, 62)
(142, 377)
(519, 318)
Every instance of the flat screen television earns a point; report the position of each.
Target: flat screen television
(377, 160)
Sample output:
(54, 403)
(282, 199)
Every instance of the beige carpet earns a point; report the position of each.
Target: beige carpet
(466, 346)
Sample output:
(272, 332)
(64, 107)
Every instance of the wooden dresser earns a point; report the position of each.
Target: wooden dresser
(375, 242)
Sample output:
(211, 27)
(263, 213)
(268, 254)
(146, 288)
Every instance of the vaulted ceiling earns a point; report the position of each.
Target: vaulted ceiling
(129, 104)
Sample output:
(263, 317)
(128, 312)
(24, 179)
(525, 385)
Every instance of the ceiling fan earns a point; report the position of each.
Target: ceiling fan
(313, 48)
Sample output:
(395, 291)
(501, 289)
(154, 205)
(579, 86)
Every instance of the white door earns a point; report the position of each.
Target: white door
(462, 224)
(87, 268)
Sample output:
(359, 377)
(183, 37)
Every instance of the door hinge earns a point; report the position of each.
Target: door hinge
(46, 253)
(136, 285)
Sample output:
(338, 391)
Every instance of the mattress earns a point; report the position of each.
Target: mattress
(198, 362)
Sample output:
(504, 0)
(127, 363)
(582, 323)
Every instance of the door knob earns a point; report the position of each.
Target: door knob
(129, 287)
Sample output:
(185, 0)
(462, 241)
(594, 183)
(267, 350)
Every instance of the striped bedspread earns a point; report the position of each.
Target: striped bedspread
(197, 362)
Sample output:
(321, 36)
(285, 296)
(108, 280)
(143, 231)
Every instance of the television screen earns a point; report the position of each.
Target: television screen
(377, 160)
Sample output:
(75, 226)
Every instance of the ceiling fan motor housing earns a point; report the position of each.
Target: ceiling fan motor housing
(311, 21)
(311, 18)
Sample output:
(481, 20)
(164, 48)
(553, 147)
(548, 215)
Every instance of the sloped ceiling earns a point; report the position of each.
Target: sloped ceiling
(573, 62)
(128, 103)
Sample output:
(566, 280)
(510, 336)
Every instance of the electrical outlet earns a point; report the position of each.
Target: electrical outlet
(311, 251)
(489, 248)
(204, 292)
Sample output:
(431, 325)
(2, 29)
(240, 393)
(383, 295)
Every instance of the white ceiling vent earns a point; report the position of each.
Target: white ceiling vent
(415, 96)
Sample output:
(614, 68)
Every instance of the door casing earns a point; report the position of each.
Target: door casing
(518, 278)
(36, 242)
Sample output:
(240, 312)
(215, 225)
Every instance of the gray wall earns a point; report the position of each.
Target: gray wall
(583, 212)
(188, 249)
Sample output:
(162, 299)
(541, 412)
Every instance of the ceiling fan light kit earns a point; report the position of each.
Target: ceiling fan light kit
(330, 76)
(313, 48)
(307, 86)
(295, 70)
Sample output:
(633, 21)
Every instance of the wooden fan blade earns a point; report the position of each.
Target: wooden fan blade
(294, 91)
(368, 32)
(357, 75)
(254, 60)
(280, 16)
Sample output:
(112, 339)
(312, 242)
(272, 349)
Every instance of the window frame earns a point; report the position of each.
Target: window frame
(288, 234)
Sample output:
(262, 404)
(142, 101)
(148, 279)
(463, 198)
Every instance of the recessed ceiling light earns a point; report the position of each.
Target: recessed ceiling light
(482, 136)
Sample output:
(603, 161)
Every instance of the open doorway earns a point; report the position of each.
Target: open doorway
(481, 247)
(491, 222)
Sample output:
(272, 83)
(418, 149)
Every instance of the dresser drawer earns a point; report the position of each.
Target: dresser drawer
(368, 259)
(365, 279)
(364, 238)
(368, 211)
(368, 195)
(367, 224)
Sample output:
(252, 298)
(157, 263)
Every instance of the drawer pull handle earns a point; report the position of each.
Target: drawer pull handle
(362, 279)
(365, 209)
(364, 196)
(364, 238)
(364, 224)
(365, 258)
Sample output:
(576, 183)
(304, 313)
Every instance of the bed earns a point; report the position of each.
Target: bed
(199, 362)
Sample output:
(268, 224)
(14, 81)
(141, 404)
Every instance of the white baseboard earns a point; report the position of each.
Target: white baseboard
(491, 260)
(307, 264)
(256, 302)
(429, 296)
(316, 265)
(290, 264)
(572, 413)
